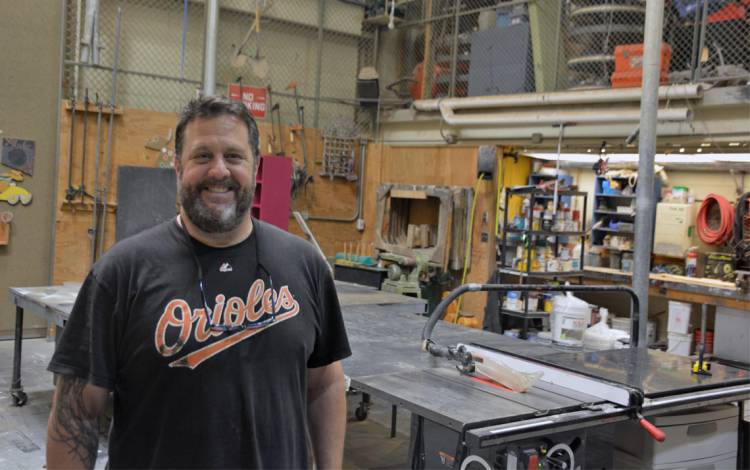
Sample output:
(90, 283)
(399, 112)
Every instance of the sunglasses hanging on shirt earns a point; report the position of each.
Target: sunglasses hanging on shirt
(263, 320)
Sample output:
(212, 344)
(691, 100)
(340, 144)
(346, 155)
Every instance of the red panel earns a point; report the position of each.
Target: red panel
(273, 190)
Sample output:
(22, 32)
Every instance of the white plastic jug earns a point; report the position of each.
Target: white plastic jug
(570, 316)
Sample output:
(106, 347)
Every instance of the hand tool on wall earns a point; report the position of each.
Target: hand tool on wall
(239, 59)
(108, 166)
(272, 135)
(300, 127)
(82, 186)
(276, 121)
(258, 63)
(70, 192)
(94, 231)
(90, 34)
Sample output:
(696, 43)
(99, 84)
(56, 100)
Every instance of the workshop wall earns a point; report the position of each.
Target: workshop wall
(133, 128)
(30, 32)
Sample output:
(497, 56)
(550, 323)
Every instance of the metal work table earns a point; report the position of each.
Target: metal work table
(55, 303)
(51, 302)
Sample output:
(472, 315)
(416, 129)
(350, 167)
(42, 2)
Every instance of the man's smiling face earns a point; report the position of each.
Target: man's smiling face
(216, 173)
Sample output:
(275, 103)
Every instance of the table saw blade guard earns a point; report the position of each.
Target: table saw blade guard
(500, 372)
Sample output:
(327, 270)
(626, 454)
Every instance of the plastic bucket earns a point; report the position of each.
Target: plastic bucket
(570, 316)
(679, 344)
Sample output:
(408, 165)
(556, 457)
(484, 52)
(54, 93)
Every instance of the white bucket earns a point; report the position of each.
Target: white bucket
(623, 323)
(679, 343)
(678, 317)
(570, 317)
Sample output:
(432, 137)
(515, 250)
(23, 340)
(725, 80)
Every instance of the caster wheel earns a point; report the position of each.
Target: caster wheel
(360, 413)
(19, 398)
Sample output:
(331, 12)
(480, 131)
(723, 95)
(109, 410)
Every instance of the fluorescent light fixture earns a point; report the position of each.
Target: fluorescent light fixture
(660, 158)
(706, 144)
(734, 144)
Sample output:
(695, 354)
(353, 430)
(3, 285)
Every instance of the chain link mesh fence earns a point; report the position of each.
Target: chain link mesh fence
(432, 49)
(161, 54)
(487, 47)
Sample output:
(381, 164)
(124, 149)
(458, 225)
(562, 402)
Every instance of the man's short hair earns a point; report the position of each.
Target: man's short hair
(215, 106)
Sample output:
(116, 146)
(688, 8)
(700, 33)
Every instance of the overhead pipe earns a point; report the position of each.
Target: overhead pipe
(515, 117)
(645, 203)
(604, 96)
(209, 48)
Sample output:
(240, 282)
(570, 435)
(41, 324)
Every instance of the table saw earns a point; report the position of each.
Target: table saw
(569, 419)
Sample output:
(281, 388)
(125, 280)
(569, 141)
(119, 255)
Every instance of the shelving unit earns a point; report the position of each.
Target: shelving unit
(606, 210)
(273, 186)
(532, 238)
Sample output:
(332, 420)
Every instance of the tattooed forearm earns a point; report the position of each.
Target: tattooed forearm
(74, 425)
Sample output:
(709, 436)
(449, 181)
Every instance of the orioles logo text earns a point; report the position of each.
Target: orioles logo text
(179, 323)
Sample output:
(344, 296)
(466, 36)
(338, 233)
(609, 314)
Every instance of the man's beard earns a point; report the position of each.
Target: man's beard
(211, 220)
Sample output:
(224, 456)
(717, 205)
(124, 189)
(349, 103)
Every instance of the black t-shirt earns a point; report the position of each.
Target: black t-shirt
(186, 396)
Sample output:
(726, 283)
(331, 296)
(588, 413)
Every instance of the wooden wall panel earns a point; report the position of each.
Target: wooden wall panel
(132, 129)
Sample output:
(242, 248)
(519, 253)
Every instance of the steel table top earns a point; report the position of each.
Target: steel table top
(655, 373)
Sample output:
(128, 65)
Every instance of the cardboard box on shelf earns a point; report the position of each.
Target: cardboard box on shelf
(675, 229)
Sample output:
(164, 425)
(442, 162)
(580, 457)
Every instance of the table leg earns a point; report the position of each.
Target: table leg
(394, 418)
(361, 412)
(742, 434)
(16, 389)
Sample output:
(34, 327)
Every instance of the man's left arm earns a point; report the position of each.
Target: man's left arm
(326, 409)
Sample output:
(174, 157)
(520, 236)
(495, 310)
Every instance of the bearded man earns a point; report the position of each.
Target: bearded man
(219, 336)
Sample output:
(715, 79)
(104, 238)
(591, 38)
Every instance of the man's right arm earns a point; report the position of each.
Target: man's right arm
(73, 430)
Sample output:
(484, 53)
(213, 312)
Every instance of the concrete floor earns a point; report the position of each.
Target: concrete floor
(23, 429)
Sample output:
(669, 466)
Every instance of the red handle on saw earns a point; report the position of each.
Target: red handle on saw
(655, 432)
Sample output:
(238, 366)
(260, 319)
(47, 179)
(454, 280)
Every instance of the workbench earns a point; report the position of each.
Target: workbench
(680, 288)
(54, 303)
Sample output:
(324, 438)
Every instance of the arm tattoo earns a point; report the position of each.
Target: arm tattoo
(73, 426)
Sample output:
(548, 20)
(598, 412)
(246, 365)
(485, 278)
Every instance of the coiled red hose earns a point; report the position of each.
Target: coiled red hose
(724, 232)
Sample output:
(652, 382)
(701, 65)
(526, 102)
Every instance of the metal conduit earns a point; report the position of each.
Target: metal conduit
(605, 96)
(510, 118)
(209, 51)
(645, 204)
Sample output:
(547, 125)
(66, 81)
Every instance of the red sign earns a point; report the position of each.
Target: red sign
(253, 97)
